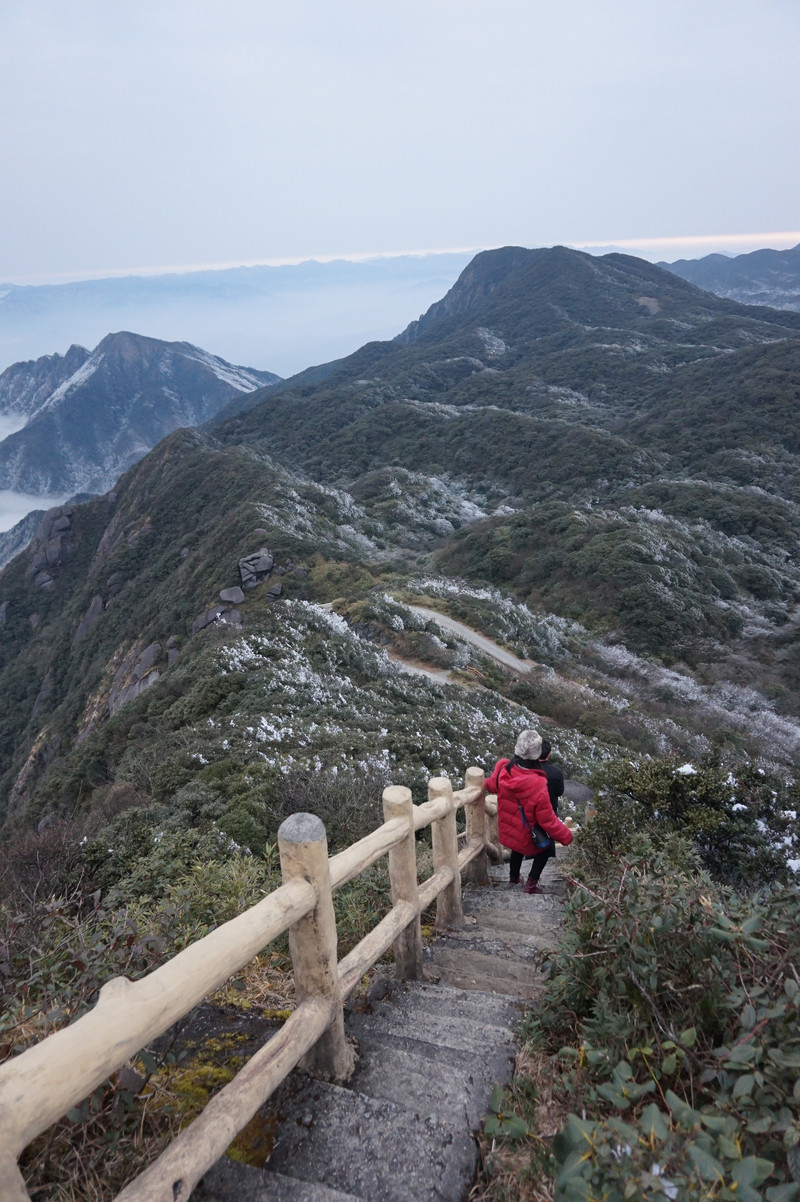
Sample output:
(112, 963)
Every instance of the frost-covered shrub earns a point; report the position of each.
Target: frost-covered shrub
(743, 826)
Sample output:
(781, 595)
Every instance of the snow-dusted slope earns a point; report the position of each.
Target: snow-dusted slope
(90, 416)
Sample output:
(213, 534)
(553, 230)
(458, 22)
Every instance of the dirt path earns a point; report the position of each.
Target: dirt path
(487, 646)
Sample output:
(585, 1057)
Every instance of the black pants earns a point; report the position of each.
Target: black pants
(537, 867)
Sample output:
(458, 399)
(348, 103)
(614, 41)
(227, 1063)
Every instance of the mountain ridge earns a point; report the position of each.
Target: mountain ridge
(760, 277)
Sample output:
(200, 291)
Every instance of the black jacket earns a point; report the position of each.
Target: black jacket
(555, 782)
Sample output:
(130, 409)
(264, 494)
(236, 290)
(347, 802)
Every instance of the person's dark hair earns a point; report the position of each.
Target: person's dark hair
(521, 763)
(546, 749)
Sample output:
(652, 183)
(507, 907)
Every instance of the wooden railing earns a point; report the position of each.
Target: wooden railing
(38, 1086)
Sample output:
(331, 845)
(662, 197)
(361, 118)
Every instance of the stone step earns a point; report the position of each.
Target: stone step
(371, 1148)
(506, 935)
(507, 925)
(429, 1055)
(541, 908)
(230, 1181)
(429, 1079)
(463, 1035)
(467, 968)
(426, 1001)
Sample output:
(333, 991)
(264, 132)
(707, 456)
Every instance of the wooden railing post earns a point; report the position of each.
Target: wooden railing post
(445, 855)
(493, 833)
(477, 871)
(312, 942)
(397, 803)
(12, 1184)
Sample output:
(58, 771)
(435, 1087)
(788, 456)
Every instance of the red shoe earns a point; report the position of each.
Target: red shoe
(532, 887)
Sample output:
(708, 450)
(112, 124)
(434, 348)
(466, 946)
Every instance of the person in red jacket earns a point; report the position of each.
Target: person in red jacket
(523, 803)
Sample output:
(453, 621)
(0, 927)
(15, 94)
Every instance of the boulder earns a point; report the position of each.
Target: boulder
(43, 579)
(115, 582)
(256, 567)
(577, 792)
(205, 619)
(275, 592)
(233, 595)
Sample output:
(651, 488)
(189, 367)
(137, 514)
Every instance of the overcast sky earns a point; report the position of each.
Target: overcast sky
(178, 133)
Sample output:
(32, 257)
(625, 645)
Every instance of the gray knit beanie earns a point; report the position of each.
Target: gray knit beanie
(528, 745)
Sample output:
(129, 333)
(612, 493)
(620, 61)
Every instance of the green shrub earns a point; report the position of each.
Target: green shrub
(680, 1010)
(744, 827)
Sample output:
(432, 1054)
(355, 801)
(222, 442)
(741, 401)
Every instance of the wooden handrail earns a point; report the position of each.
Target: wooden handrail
(40, 1084)
(177, 1171)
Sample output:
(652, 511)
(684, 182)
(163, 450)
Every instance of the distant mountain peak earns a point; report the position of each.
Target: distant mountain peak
(540, 291)
(92, 415)
(759, 277)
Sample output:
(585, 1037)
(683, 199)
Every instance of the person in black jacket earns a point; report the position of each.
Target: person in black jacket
(555, 777)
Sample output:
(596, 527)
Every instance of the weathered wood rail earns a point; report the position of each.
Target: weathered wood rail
(39, 1085)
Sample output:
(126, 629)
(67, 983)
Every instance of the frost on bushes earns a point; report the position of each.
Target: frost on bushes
(533, 636)
(317, 697)
(742, 824)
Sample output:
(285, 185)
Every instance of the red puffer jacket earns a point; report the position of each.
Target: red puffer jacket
(528, 787)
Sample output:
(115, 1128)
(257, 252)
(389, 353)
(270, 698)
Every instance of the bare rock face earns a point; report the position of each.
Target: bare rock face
(137, 672)
(88, 620)
(255, 568)
(51, 545)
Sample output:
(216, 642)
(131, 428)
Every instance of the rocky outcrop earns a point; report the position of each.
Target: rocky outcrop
(253, 569)
(52, 544)
(88, 620)
(137, 672)
(207, 618)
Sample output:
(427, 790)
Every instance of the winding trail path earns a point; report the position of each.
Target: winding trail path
(487, 646)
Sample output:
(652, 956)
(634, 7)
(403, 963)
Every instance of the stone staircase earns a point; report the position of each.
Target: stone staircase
(429, 1053)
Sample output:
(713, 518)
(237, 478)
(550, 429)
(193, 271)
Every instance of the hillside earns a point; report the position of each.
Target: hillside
(637, 439)
(89, 416)
(589, 459)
